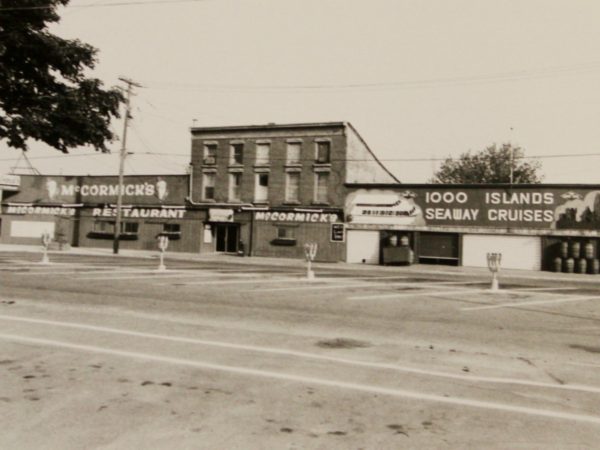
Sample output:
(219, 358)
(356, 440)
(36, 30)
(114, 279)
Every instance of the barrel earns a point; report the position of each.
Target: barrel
(564, 249)
(589, 250)
(595, 266)
(582, 265)
(557, 264)
(569, 265)
(404, 241)
(575, 249)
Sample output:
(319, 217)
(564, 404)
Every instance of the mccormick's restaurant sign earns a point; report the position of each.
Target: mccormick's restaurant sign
(295, 216)
(520, 207)
(137, 189)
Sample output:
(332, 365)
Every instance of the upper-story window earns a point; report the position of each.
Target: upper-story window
(321, 187)
(262, 153)
(292, 186)
(294, 149)
(210, 154)
(208, 186)
(235, 184)
(237, 153)
(323, 152)
(261, 191)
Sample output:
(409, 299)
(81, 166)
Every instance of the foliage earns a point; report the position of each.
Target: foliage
(491, 165)
(44, 91)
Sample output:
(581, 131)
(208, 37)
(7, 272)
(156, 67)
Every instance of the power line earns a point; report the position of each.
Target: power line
(99, 5)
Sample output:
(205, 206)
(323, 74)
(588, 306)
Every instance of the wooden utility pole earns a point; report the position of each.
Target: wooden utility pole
(122, 156)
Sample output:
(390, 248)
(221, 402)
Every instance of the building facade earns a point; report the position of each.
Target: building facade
(535, 227)
(266, 190)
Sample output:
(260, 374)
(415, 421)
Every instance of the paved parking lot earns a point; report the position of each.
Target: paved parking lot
(108, 352)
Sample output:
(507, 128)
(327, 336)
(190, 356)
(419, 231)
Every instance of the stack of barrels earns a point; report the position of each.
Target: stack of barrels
(575, 257)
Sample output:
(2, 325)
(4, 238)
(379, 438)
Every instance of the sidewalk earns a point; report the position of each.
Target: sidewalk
(417, 269)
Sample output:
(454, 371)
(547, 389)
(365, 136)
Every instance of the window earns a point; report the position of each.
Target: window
(261, 193)
(237, 154)
(321, 183)
(104, 227)
(292, 186)
(129, 227)
(235, 183)
(262, 153)
(294, 150)
(286, 233)
(210, 154)
(323, 150)
(208, 186)
(171, 228)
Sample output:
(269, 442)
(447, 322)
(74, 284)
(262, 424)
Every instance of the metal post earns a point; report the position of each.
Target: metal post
(310, 251)
(163, 243)
(45, 243)
(494, 260)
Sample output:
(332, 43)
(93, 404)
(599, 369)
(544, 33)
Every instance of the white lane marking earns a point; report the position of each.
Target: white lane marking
(86, 271)
(544, 289)
(166, 274)
(226, 282)
(534, 302)
(456, 401)
(373, 284)
(285, 352)
(429, 293)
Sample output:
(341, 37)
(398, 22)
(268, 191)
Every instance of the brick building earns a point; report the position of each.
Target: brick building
(269, 189)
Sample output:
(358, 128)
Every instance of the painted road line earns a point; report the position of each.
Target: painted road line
(306, 355)
(244, 371)
(164, 274)
(534, 302)
(372, 284)
(227, 282)
(541, 289)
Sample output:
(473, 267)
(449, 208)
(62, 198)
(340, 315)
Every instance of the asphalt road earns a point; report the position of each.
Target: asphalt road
(107, 352)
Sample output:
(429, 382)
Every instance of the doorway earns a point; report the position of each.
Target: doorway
(227, 237)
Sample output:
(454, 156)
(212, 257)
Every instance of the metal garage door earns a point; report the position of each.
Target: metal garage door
(518, 252)
(362, 247)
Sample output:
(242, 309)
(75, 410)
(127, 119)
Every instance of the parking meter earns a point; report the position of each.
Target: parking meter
(163, 243)
(493, 261)
(310, 252)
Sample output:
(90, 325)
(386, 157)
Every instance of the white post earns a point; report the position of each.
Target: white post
(163, 243)
(494, 260)
(310, 251)
(45, 243)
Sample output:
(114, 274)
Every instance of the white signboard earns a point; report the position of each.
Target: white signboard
(10, 182)
(220, 215)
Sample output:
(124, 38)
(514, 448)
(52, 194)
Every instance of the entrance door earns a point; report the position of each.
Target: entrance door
(227, 237)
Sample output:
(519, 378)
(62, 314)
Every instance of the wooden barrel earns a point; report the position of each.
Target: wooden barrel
(575, 249)
(569, 265)
(582, 265)
(564, 249)
(595, 266)
(589, 250)
(558, 264)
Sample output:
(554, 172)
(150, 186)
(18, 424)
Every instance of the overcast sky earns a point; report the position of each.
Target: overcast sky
(418, 79)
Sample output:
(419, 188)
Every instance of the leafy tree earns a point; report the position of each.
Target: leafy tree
(45, 93)
(491, 165)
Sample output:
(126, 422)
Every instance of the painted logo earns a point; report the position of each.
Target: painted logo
(384, 207)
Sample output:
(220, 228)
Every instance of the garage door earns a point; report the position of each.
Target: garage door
(362, 247)
(518, 252)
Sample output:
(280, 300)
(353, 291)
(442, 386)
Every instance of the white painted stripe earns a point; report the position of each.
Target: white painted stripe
(164, 274)
(455, 401)
(227, 282)
(424, 285)
(535, 302)
(429, 293)
(543, 289)
(315, 356)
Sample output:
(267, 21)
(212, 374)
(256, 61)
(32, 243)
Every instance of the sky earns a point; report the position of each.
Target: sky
(420, 80)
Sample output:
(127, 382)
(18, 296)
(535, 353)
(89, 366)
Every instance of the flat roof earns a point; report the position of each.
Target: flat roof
(269, 126)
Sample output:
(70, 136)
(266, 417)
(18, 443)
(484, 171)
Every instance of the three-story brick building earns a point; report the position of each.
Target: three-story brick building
(269, 189)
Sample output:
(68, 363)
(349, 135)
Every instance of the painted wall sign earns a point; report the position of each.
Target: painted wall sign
(532, 207)
(284, 216)
(220, 215)
(142, 189)
(10, 182)
(143, 213)
(338, 232)
(41, 210)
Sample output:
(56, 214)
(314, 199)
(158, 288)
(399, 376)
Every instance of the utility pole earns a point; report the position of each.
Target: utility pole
(511, 158)
(122, 155)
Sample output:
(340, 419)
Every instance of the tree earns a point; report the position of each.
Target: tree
(491, 165)
(45, 93)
